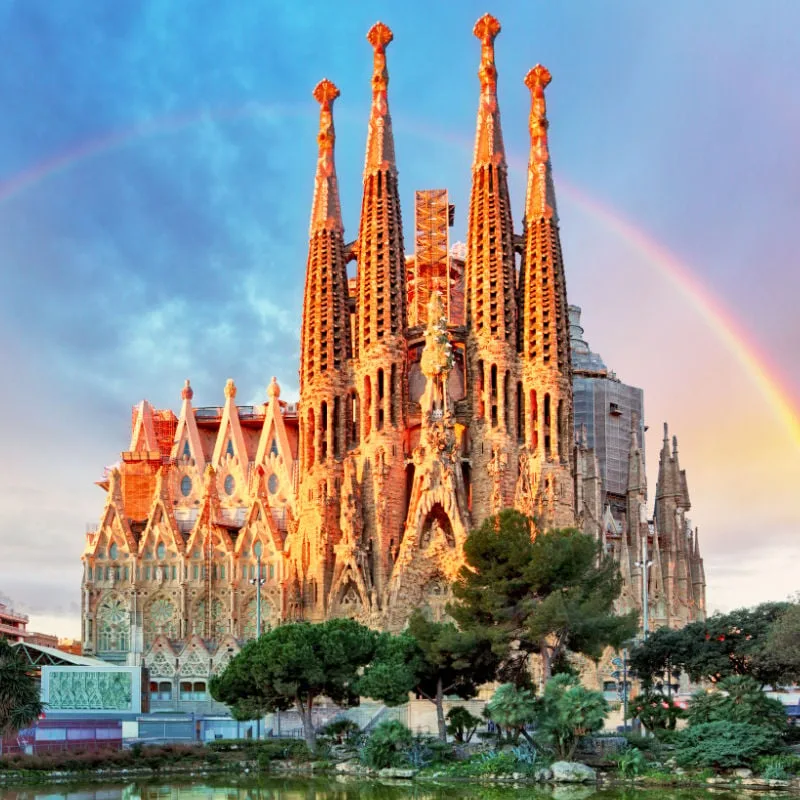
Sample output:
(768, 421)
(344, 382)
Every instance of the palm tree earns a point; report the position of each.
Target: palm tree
(19, 692)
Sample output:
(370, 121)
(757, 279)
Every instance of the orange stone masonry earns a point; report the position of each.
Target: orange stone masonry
(357, 500)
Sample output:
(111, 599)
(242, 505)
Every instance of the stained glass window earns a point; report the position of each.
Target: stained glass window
(186, 485)
(161, 616)
(230, 484)
(229, 449)
(161, 551)
(113, 625)
(112, 551)
(272, 483)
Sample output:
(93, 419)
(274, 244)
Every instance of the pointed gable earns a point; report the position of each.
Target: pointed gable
(113, 519)
(206, 523)
(274, 450)
(143, 434)
(187, 444)
(230, 440)
(161, 520)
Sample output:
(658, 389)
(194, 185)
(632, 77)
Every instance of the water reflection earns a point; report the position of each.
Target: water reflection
(350, 789)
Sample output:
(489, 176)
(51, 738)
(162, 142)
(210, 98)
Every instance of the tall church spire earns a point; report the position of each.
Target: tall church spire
(491, 274)
(325, 331)
(544, 319)
(381, 306)
(490, 289)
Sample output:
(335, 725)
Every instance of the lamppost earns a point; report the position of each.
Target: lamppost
(645, 564)
(258, 582)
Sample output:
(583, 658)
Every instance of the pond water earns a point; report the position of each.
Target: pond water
(347, 789)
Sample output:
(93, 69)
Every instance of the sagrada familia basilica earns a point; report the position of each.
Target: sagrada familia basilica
(435, 390)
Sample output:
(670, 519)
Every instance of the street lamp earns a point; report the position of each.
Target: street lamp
(258, 582)
(645, 564)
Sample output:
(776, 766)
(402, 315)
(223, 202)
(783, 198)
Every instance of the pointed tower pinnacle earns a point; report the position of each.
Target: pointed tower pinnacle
(491, 272)
(326, 211)
(540, 199)
(381, 305)
(380, 142)
(489, 147)
(325, 340)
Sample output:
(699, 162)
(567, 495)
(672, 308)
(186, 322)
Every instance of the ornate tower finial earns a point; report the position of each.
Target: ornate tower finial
(486, 29)
(326, 211)
(187, 393)
(380, 141)
(274, 389)
(230, 389)
(489, 139)
(541, 196)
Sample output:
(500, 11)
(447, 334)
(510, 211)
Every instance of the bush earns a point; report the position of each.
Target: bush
(512, 708)
(461, 724)
(737, 699)
(388, 745)
(566, 712)
(427, 751)
(786, 764)
(341, 729)
(656, 711)
(630, 763)
(724, 745)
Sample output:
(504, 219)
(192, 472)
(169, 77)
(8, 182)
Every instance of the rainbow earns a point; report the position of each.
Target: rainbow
(710, 307)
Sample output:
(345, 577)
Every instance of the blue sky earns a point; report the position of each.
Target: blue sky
(177, 248)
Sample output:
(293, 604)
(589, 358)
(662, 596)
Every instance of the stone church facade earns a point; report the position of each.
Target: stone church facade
(435, 390)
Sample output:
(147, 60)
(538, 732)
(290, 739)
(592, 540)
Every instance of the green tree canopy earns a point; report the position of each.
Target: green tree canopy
(293, 665)
(545, 595)
(781, 655)
(736, 643)
(433, 659)
(19, 692)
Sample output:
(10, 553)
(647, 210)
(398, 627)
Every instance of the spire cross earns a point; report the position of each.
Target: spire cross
(486, 29)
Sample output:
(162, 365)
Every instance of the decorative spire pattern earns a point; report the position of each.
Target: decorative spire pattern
(325, 341)
(489, 147)
(326, 213)
(540, 199)
(380, 141)
(491, 273)
(544, 317)
(381, 305)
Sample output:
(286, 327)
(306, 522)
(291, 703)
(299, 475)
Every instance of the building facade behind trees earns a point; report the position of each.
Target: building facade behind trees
(435, 390)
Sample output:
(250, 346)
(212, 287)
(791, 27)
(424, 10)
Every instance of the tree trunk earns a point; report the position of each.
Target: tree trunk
(309, 733)
(546, 664)
(440, 711)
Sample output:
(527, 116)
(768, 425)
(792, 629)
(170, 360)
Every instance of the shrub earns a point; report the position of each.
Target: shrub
(786, 763)
(630, 762)
(341, 729)
(724, 745)
(512, 708)
(656, 711)
(461, 724)
(737, 699)
(388, 745)
(566, 712)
